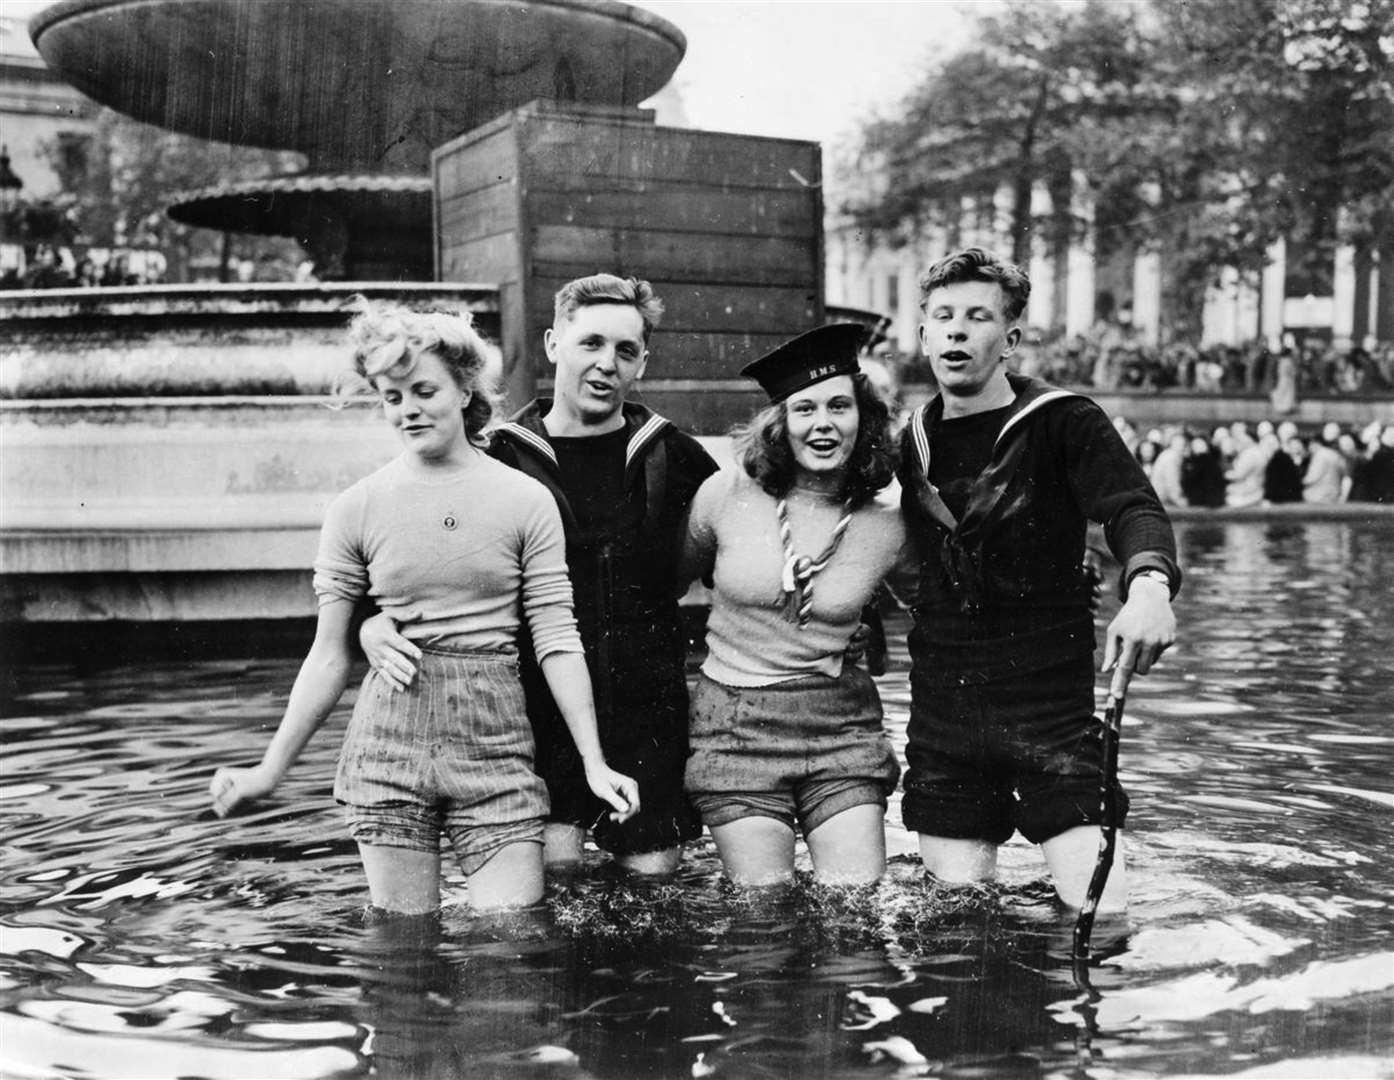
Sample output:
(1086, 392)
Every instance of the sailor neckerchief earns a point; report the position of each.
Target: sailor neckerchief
(796, 577)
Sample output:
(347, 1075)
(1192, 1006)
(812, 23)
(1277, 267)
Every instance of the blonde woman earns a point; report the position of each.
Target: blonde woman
(455, 547)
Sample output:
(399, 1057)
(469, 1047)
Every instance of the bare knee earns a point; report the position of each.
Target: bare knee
(511, 878)
(958, 861)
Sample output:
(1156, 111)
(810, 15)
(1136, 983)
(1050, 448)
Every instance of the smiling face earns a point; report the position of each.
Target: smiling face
(966, 336)
(823, 421)
(599, 353)
(426, 406)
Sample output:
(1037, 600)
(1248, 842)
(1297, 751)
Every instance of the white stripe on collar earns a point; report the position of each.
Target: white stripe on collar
(921, 438)
(532, 438)
(643, 437)
(1044, 399)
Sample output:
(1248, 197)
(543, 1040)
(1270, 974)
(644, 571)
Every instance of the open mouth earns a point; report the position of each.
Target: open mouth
(955, 357)
(823, 446)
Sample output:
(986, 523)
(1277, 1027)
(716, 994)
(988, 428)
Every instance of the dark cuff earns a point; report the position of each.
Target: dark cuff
(1149, 560)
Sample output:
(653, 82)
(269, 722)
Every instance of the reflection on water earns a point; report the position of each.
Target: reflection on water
(141, 937)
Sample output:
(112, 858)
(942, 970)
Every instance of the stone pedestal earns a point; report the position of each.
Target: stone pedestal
(167, 454)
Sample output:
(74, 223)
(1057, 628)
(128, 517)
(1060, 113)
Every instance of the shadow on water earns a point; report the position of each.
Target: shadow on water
(141, 937)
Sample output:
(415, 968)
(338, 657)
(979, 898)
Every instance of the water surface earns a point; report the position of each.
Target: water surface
(141, 937)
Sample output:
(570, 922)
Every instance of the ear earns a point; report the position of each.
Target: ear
(924, 341)
(549, 343)
(643, 366)
(1013, 340)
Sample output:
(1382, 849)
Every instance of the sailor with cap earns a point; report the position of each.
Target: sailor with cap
(795, 538)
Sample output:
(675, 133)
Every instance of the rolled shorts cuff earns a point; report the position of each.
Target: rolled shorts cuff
(814, 805)
(419, 828)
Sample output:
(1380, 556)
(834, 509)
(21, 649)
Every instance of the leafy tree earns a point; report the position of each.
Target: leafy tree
(117, 183)
(1205, 130)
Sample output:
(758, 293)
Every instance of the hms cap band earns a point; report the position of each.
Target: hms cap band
(809, 358)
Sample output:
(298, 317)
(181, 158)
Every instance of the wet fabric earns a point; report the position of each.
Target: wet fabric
(455, 747)
(803, 741)
(622, 533)
(987, 759)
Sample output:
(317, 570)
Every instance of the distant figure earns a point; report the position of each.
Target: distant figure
(1246, 473)
(1379, 470)
(1203, 474)
(1282, 475)
(1325, 478)
(1167, 471)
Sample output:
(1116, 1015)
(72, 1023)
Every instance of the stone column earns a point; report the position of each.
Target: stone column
(1272, 294)
(1147, 296)
(1079, 295)
(1040, 310)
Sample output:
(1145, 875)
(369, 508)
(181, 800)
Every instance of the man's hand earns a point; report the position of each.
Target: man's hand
(231, 787)
(1143, 630)
(620, 791)
(391, 655)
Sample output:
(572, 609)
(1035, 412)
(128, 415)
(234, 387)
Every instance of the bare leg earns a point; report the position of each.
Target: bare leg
(511, 878)
(402, 879)
(850, 848)
(562, 845)
(652, 863)
(1071, 857)
(756, 850)
(958, 861)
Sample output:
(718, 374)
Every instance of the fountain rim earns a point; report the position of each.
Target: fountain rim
(43, 20)
(236, 297)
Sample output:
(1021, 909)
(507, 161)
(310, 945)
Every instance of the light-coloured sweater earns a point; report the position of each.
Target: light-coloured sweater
(1325, 479)
(733, 534)
(449, 557)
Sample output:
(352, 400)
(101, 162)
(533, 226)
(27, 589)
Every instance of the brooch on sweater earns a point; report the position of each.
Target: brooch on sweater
(449, 522)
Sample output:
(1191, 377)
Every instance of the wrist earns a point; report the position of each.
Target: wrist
(1151, 577)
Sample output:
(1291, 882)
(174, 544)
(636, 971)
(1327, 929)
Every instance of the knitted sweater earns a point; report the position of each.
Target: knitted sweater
(733, 534)
(449, 557)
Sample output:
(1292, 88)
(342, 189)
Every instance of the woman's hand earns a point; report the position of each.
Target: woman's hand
(230, 787)
(390, 654)
(620, 791)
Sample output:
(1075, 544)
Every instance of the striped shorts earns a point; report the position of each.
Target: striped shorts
(452, 755)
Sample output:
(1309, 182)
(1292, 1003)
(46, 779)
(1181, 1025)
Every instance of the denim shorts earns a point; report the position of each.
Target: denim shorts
(1022, 753)
(452, 754)
(799, 751)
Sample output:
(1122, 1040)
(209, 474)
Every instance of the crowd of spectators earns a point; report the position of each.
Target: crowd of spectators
(1272, 464)
(1112, 359)
(49, 267)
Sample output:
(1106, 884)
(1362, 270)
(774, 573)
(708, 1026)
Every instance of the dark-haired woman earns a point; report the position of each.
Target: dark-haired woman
(795, 538)
(457, 548)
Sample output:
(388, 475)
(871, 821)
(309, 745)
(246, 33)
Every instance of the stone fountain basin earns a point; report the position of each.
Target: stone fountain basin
(352, 83)
(168, 453)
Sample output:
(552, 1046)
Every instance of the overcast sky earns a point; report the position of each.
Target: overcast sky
(806, 69)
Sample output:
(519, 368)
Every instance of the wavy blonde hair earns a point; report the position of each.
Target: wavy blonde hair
(390, 339)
